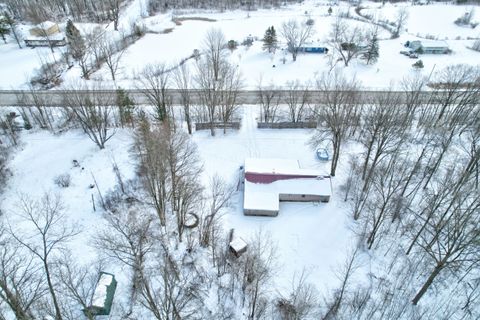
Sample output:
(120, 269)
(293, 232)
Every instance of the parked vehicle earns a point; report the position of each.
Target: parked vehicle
(322, 154)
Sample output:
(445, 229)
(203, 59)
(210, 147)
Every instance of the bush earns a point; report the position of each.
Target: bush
(476, 45)
(310, 22)
(232, 45)
(418, 64)
(63, 180)
(248, 41)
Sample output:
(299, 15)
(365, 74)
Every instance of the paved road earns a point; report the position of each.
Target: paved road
(57, 97)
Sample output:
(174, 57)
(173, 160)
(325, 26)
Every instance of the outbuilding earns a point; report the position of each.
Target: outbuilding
(103, 295)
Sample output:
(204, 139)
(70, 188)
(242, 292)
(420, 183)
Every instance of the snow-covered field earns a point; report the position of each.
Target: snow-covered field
(171, 47)
(314, 238)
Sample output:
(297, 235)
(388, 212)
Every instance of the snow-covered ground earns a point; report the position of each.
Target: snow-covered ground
(179, 43)
(310, 237)
(43, 156)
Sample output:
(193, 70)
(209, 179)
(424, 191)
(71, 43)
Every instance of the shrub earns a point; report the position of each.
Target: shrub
(232, 45)
(418, 65)
(310, 22)
(476, 45)
(63, 180)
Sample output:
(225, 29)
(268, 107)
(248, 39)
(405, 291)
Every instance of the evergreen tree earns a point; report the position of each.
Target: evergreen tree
(76, 44)
(126, 108)
(4, 29)
(270, 41)
(13, 27)
(418, 65)
(371, 53)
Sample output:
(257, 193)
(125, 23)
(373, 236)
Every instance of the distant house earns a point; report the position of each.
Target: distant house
(45, 34)
(269, 181)
(428, 46)
(312, 48)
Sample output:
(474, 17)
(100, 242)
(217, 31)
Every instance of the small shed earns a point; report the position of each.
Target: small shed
(103, 296)
(45, 34)
(238, 246)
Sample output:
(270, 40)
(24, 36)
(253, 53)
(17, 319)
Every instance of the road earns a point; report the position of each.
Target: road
(56, 98)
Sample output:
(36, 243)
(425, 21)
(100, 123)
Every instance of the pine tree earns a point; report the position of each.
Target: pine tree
(13, 27)
(371, 53)
(76, 44)
(270, 41)
(4, 29)
(126, 107)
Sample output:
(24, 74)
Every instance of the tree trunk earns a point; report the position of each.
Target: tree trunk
(427, 284)
(58, 312)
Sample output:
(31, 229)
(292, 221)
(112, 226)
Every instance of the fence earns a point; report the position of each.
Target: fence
(287, 125)
(218, 125)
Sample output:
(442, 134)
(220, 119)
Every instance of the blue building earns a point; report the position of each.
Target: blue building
(312, 49)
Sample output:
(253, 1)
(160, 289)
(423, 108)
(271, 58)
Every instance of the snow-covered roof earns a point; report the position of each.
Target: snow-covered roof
(46, 25)
(100, 294)
(258, 200)
(259, 196)
(278, 166)
(431, 43)
(238, 244)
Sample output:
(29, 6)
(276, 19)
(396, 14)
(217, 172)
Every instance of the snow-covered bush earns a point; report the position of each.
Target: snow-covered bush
(49, 75)
(63, 180)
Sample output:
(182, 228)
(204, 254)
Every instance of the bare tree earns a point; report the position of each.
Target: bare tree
(269, 99)
(48, 235)
(78, 283)
(218, 197)
(345, 274)
(400, 21)
(94, 111)
(208, 90)
(154, 81)
(113, 11)
(129, 239)
(296, 35)
(346, 41)
(151, 147)
(215, 50)
(450, 239)
(297, 99)
(39, 112)
(230, 84)
(171, 293)
(383, 132)
(302, 301)
(258, 269)
(183, 82)
(112, 52)
(387, 184)
(184, 167)
(338, 116)
(21, 282)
